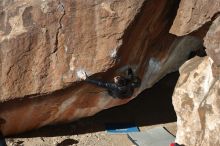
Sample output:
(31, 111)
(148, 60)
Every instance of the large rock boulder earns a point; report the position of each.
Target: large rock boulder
(46, 45)
(194, 14)
(212, 43)
(196, 95)
(196, 100)
(200, 18)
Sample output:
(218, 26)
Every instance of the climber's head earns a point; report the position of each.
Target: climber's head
(119, 80)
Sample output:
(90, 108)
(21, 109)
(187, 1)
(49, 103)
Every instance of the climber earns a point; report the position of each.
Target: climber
(122, 87)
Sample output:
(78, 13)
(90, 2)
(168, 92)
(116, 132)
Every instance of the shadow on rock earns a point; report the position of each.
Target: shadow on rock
(67, 142)
(152, 106)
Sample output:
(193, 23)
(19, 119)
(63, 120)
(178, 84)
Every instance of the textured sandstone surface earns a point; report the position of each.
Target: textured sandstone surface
(196, 101)
(196, 97)
(45, 45)
(193, 14)
(212, 43)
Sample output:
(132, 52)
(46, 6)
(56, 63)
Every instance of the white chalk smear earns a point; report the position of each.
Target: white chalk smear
(72, 62)
(114, 53)
(81, 74)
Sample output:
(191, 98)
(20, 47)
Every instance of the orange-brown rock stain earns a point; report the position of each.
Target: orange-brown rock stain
(89, 31)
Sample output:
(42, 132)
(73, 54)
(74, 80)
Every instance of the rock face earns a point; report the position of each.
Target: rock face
(46, 45)
(196, 101)
(212, 43)
(196, 97)
(193, 14)
(195, 17)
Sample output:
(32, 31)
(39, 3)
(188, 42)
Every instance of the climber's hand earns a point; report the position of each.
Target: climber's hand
(82, 75)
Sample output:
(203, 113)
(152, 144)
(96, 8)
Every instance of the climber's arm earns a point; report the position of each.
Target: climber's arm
(101, 83)
(97, 82)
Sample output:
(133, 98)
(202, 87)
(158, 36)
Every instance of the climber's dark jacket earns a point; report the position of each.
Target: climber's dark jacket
(124, 90)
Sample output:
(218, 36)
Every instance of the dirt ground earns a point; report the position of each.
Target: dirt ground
(100, 138)
(152, 108)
